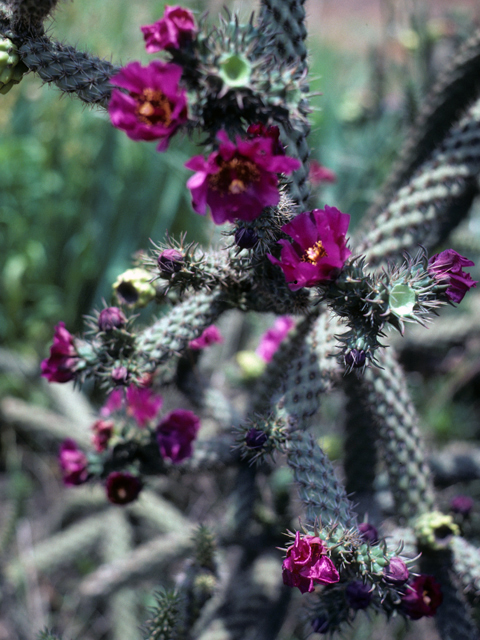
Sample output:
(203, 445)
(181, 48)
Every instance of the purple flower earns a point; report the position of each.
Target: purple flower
(461, 505)
(111, 318)
(60, 366)
(318, 174)
(210, 335)
(154, 107)
(259, 130)
(122, 487)
(114, 403)
(422, 598)
(102, 432)
(446, 267)
(319, 247)
(175, 434)
(238, 180)
(174, 30)
(368, 532)
(358, 595)
(73, 463)
(396, 572)
(306, 563)
(170, 261)
(142, 404)
(255, 439)
(271, 339)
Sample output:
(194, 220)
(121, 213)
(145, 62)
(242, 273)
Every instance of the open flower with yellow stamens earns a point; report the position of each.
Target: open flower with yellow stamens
(155, 105)
(319, 247)
(239, 179)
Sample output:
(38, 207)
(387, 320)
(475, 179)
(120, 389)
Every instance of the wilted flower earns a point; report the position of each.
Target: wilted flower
(170, 261)
(210, 335)
(396, 572)
(319, 247)
(368, 532)
(111, 318)
(174, 30)
(102, 432)
(272, 338)
(60, 366)
(154, 107)
(175, 434)
(461, 505)
(73, 463)
(422, 598)
(358, 594)
(447, 268)
(318, 174)
(306, 563)
(238, 180)
(122, 487)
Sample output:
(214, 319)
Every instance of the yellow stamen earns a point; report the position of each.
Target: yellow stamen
(315, 254)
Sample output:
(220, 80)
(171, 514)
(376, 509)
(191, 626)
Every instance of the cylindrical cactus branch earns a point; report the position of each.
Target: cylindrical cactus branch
(31, 14)
(423, 208)
(466, 565)
(391, 407)
(286, 20)
(72, 71)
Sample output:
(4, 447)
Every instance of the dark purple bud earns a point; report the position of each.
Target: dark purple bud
(461, 505)
(358, 595)
(122, 488)
(111, 318)
(245, 238)
(120, 375)
(368, 532)
(255, 439)
(355, 358)
(320, 624)
(170, 261)
(396, 573)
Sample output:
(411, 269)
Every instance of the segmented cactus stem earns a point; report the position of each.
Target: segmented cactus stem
(72, 71)
(30, 14)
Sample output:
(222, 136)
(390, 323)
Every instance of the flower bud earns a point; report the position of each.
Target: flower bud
(255, 439)
(120, 375)
(368, 532)
(396, 573)
(245, 238)
(355, 358)
(170, 261)
(111, 318)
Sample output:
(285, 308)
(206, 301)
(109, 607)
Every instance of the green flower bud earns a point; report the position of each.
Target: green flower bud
(11, 67)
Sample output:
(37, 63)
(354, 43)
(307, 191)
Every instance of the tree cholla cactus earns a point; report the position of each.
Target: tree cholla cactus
(242, 89)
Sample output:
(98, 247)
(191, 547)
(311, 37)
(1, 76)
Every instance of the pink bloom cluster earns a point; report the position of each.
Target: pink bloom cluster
(239, 179)
(422, 598)
(210, 335)
(60, 366)
(175, 434)
(319, 247)
(306, 564)
(176, 29)
(154, 107)
(447, 267)
(271, 339)
(73, 463)
(142, 404)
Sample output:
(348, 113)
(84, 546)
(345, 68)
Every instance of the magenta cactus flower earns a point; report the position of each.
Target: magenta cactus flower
(259, 130)
(273, 337)
(142, 404)
(155, 105)
(447, 267)
(122, 487)
(318, 174)
(422, 598)
(239, 179)
(176, 29)
(60, 366)
(210, 335)
(319, 247)
(175, 434)
(73, 463)
(102, 432)
(306, 564)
